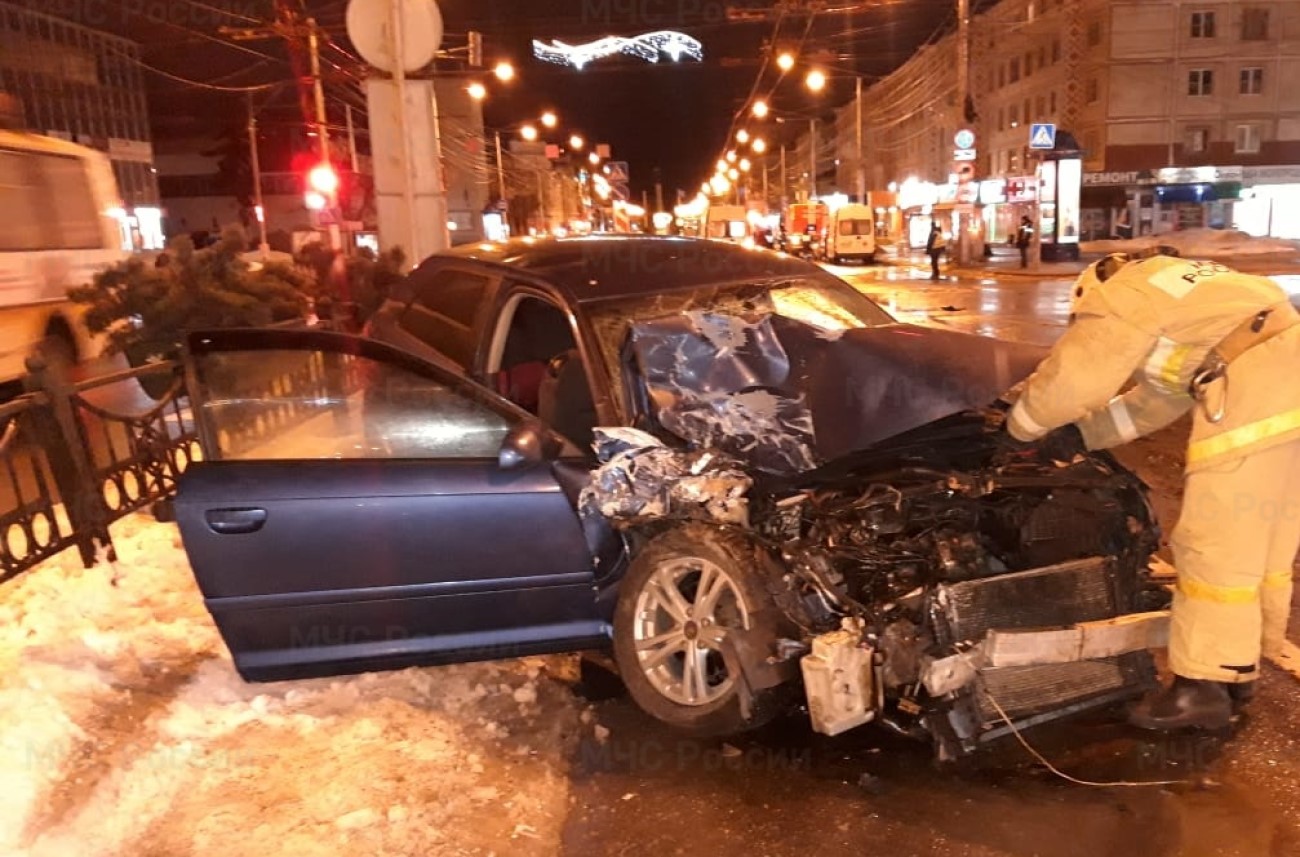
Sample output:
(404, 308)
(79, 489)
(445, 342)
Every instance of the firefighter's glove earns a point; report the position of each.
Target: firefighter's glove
(1063, 444)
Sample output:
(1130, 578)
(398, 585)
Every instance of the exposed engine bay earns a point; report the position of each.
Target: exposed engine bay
(942, 584)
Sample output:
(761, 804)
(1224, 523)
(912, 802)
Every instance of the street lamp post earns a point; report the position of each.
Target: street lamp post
(859, 167)
(501, 173)
(812, 159)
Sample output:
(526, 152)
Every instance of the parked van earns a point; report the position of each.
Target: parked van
(727, 223)
(851, 234)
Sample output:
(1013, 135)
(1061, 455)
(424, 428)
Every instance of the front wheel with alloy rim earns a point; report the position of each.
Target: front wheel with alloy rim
(685, 591)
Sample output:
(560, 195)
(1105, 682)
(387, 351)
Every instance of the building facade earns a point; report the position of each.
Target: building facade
(81, 85)
(1181, 110)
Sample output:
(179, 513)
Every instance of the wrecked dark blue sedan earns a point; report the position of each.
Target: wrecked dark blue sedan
(726, 465)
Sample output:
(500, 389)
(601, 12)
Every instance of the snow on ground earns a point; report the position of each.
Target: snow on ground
(124, 730)
(1198, 243)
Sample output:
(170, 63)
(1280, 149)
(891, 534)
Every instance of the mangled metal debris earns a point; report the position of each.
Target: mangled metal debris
(783, 397)
(641, 479)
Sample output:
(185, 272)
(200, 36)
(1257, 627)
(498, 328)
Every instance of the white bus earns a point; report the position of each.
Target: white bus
(57, 230)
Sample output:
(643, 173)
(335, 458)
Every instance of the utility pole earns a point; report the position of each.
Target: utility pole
(765, 197)
(659, 196)
(290, 28)
(963, 219)
(322, 128)
(860, 168)
(812, 159)
(262, 246)
(785, 177)
(501, 173)
(352, 139)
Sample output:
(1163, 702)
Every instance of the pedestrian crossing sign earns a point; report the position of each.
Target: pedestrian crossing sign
(1042, 136)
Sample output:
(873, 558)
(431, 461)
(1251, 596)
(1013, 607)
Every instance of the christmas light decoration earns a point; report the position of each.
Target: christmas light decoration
(647, 46)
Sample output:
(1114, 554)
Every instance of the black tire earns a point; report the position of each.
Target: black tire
(745, 566)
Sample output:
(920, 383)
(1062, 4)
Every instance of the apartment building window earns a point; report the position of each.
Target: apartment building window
(1252, 81)
(1042, 57)
(1200, 81)
(1094, 33)
(1092, 90)
(1029, 64)
(1202, 25)
(1013, 116)
(1027, 114)
(1002, 76)
(1002, 116)
(1196, 139)
(1040, 107)
(1013, 70)
(1052, 101)
(1254, 24)
(1247, 142)
(1056, 51)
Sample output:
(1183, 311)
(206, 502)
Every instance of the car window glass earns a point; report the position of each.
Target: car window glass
(855, 227)
(441, 314)
(305, 404)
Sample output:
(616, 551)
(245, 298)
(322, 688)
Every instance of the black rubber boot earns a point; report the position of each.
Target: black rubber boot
(1186, 704)
(1242, 693)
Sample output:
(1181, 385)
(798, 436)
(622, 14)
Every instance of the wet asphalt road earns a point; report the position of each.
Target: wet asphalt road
(785, 791)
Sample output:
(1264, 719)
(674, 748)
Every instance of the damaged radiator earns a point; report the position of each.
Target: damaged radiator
(1060, 595)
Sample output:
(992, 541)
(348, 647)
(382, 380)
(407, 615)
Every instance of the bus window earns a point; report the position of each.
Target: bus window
(20, 225)
(75, 224)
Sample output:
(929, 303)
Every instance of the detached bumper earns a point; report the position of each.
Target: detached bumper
(1085, 641)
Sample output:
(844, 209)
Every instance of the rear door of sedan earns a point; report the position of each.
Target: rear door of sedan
(351, 513)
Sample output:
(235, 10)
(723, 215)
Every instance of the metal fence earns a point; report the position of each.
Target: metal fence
(70, 466)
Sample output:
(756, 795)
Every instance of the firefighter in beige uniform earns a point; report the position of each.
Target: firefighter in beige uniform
(1199, 336)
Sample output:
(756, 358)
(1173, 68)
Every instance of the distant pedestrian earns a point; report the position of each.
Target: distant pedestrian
(1024, 235)
(934, 246)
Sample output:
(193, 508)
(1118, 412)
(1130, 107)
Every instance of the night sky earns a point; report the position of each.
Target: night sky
(671, 117)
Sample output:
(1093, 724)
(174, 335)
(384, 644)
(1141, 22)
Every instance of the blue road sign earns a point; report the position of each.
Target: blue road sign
(1042, 136)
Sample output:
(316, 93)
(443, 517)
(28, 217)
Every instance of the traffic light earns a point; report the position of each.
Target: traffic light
(475, 48)
(323, 180)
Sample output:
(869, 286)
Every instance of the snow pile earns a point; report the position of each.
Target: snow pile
(1198, 243)
(125, 730)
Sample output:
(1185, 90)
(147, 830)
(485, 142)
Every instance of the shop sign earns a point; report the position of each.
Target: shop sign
(1118, 178)
(1197, 175)
(1022, 189)
(1271, 175)
(993, 191)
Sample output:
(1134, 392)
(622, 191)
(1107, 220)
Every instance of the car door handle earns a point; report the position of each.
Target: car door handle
(228, 522)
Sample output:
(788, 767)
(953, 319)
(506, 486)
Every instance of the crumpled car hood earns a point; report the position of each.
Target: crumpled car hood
(786, 397)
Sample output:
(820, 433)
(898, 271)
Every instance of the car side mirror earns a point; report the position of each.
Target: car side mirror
(527, 444)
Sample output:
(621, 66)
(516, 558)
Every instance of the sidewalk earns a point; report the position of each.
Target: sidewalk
(1003, 263)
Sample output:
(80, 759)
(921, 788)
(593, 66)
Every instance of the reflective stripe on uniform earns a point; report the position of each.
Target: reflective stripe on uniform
(1197, 590)
(1278, 578)
(1029, 426)
(1164, 365)
(1243, 436)
(1123, 420)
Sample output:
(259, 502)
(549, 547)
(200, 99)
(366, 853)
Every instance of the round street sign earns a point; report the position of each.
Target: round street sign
(965, 139)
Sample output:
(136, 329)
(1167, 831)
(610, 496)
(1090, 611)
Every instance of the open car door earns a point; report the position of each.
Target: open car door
(353, 511)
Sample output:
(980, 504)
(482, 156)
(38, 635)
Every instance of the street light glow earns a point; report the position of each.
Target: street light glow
(576, 142)
(785, 61)
(528, 132)
(759, 109)
(731, 156)
(721, 165)
(593, 158)
(504, 71)
(733, 174)
(744, 165)
(742, 136)
(816, 80)
(759, 145)
(549, 119)
(477, 91)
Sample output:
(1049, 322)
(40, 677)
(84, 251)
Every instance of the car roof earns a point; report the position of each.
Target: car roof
(610, 266)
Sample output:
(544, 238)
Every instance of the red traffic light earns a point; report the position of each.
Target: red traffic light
(323, 179)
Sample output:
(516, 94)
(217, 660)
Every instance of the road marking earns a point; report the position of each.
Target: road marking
(1288, 658)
